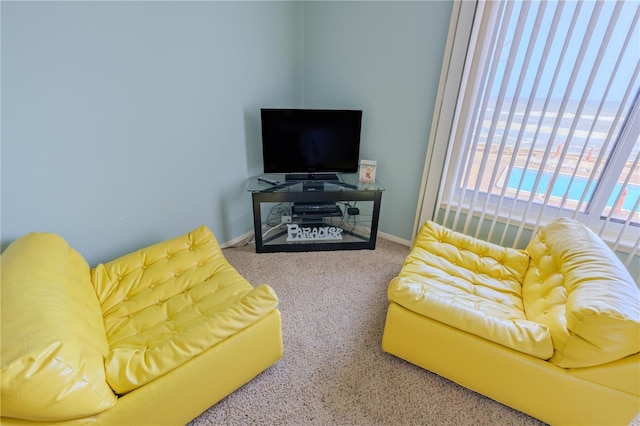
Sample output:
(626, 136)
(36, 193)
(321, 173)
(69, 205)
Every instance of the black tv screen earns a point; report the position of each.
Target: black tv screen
(310, 141)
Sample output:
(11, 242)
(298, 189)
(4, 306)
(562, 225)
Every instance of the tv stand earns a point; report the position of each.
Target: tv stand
(329, 177)
(315, 215)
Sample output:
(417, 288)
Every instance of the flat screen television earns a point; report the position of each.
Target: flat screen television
(310, 144)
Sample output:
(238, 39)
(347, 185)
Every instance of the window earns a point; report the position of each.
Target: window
(547, 122)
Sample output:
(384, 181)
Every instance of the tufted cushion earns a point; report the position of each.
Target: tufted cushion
(167, 303)
(579, 289)
(53, 338)
(471, 285)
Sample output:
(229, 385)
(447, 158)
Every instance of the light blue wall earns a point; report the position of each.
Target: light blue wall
(383, 57)
(125, 123)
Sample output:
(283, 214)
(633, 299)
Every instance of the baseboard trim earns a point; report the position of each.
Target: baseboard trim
(394, 239)
(234, 242)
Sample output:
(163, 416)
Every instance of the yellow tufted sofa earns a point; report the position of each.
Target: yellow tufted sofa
(552, 330)
(154, 337)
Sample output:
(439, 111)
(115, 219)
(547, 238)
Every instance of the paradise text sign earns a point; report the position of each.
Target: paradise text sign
(296, 232)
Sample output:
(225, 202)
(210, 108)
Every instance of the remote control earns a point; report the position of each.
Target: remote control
(268, 180)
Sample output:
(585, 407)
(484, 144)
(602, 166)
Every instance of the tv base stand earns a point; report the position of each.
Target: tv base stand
(329, 177)
(315, 215)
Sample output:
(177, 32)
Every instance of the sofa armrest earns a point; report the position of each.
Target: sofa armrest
(578, 288)
(53, 338)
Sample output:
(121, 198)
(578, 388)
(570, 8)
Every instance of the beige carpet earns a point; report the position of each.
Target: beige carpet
(334, 372)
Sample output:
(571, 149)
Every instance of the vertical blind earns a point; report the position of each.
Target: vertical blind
(547, 123)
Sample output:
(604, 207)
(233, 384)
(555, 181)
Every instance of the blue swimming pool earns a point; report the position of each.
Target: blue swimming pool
(562, 183)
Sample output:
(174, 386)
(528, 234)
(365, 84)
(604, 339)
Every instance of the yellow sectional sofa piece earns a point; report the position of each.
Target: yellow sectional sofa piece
(552, 330)
(154, 337)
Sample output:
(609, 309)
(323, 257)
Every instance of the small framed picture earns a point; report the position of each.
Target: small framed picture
(367, 171)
